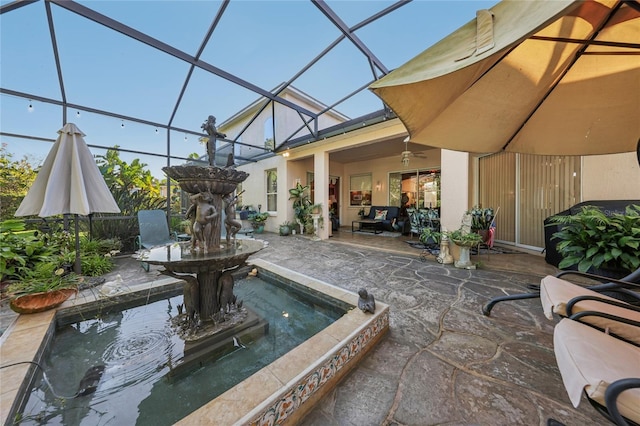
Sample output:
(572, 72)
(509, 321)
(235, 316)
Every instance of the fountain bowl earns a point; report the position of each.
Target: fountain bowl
(194, 179)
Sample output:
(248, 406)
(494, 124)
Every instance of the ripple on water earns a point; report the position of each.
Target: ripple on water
(137, 355)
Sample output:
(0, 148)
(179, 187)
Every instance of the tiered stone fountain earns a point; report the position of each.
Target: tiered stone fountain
(205, 263)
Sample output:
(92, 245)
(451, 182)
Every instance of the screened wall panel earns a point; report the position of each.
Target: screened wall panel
(497, 185)
(548, 185)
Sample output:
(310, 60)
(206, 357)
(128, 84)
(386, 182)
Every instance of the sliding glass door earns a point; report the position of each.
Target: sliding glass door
(422, 187)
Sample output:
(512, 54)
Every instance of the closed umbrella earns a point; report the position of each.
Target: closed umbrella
(69, 182)
(557, 77)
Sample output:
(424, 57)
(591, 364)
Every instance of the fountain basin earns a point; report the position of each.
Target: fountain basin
(178, 256)
(285, 390)
(216, 180)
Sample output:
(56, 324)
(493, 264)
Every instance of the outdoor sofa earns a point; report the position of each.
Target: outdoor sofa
(386, 215)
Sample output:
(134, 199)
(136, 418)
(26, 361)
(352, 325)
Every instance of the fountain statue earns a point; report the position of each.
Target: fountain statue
(205, 262)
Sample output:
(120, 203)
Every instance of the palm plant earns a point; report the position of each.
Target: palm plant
(301, 203)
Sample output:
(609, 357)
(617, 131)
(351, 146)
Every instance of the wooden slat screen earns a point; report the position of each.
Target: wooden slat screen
(548, 185)
(497, 188)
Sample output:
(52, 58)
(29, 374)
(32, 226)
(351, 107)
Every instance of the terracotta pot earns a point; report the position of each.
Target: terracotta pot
(39, 302)
(484, 233)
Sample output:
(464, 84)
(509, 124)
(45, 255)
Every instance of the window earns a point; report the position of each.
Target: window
(272, 190)
(311, 184)
(360, 190)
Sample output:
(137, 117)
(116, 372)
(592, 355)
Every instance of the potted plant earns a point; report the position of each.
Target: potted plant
(257, 221)
(593, 242)
(481, 220)
(464, 240)
(301, 204)
(430, 236)
(43, 288)
(285, 228)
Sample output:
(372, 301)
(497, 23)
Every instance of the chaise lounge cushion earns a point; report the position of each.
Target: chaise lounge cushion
(591, 360)
(391, 214)
(555, 293)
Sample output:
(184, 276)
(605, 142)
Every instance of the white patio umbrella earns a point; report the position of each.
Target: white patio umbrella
(69, 182)
(558, 77)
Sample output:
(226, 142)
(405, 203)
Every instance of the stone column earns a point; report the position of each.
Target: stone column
(321, 190)
(454, 182)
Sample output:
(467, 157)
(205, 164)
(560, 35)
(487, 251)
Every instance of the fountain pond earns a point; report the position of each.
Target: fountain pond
(312, 334)
(161, 361)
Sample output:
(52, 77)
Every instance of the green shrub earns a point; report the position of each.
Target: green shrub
(591, 239)
(99, 246)
(21, 250)
(94, 265)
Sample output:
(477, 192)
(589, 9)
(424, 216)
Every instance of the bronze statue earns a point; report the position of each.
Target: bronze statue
(225, 294)
(209, 126)
(366, 302)
(205, 212)
(230, 223)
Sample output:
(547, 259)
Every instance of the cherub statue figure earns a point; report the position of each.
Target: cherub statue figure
(209, 126)
(204, 214)
(230, 223)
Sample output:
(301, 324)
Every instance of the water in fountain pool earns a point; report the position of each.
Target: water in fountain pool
(137, 345)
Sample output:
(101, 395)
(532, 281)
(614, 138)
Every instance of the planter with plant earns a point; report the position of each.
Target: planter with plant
(464, 239)
(42, 288)
(35, 267)
(593, 242)
(430, 236)
(258, 220)
(301, 204)
(285, 228)
(481, 220)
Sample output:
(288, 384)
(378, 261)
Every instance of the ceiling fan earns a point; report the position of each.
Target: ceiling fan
(406, 154)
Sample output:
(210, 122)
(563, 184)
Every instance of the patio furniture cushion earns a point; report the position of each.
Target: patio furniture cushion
(380, 215)
(555, 293)
(387, 221)
(591, 360)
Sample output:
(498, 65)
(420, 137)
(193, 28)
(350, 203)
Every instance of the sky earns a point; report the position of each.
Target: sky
(262, 42)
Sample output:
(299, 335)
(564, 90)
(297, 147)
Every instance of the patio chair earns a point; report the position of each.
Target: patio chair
(607, 285)
(415, 222)
(154, 231)
(595, 309)
(604, 368)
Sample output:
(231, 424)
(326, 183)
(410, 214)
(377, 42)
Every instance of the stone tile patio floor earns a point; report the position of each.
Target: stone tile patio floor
(443, 362)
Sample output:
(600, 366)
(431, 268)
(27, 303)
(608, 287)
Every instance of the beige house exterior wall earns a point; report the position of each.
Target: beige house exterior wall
(603, 177)
(611, 177)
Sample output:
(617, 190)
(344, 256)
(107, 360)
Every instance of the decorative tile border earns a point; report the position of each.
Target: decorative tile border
(297, 395)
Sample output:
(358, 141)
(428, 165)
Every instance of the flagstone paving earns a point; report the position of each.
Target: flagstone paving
(442, 362)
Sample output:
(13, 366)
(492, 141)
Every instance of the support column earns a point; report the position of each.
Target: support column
(454, 182)
(321, 190)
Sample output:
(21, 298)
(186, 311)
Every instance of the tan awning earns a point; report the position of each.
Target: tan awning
(543, 77)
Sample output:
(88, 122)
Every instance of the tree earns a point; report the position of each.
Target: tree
(133, 188)
(16, 177)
